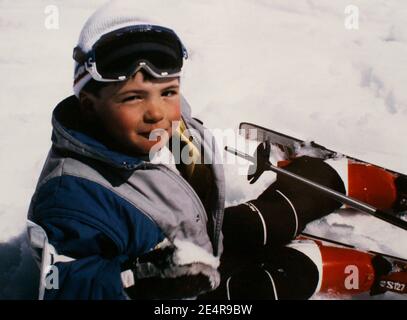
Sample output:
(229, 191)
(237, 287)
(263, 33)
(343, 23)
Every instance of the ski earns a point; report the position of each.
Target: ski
(391, 271)
(292, 146)
(261, 162)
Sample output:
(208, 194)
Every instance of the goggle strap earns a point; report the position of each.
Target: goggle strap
(79, 55)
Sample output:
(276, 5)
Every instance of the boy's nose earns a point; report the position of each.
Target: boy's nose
(153, 113)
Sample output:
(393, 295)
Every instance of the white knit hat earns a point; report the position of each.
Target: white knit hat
(112, 16)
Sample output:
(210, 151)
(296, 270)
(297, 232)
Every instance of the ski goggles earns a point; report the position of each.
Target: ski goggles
(118, 55)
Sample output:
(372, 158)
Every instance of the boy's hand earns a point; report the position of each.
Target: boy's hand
(314, 169)
(158, 276)
(181, 287)
(310, 204)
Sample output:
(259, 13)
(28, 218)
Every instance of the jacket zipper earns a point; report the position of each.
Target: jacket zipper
(217, 227)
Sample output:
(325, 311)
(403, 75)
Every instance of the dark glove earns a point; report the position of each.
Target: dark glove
(283, 210)
(292, 199)
(159, 276)
(306, 198)
(182, 287)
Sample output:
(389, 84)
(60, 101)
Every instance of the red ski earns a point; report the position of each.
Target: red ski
(376, 272)
(380, 187)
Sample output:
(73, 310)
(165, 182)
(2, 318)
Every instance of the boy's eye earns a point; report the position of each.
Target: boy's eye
(169, 93)
(131, 98)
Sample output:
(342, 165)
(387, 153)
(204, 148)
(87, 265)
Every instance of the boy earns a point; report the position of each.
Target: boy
(117, 223)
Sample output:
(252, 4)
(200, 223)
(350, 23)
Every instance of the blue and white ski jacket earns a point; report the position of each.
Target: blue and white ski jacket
(98, 209)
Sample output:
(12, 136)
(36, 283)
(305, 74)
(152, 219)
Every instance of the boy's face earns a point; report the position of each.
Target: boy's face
(128, 112)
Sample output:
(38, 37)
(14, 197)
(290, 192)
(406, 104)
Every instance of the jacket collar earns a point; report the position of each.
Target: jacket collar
(67, 135)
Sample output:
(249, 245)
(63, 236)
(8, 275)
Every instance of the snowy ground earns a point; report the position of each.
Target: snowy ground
(286, 64)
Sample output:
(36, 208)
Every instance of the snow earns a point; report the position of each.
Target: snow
(290, 65)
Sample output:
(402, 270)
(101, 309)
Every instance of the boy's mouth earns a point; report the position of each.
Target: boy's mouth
(145, 135)
(151, 134)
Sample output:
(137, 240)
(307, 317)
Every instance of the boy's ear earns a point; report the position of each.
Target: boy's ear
(87, 104)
